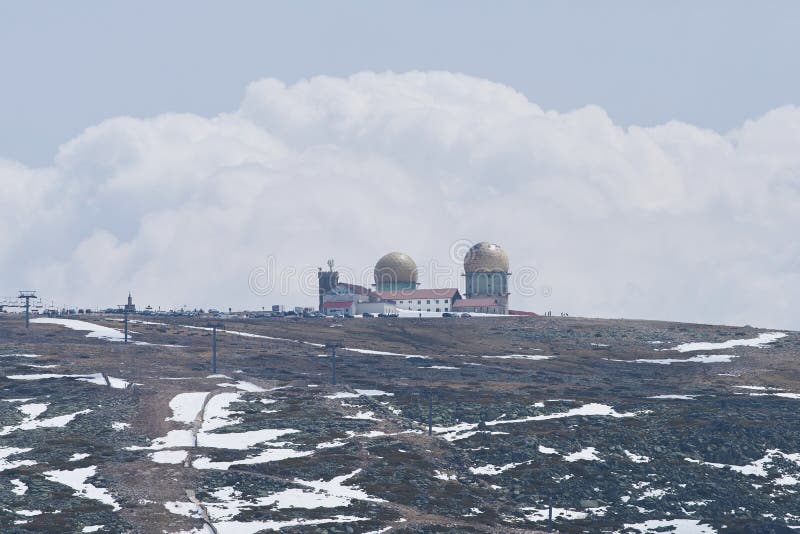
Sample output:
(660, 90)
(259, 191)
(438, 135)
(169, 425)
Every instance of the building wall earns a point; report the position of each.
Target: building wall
(500, 309)
(351, 309)
(431, 304)
(391, 285)
(327, 280)
(486, 285)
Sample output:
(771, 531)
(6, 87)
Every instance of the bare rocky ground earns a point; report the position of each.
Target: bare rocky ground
(587, 427)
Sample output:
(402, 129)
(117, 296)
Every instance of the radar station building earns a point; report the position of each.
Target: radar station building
(396, 281)
(396, 287)
(486, 271)
(348, 299)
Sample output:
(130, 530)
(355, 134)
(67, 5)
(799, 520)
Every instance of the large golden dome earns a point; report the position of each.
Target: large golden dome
(486, 258)
(395, 267)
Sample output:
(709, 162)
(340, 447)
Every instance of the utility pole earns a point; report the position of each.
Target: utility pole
(214, 327)
(125, 321)
(430, 413)
(214, 349)
(332, 346)
(27, 295)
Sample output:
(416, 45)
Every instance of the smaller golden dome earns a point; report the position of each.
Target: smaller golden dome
(486, 258)
(395, 267)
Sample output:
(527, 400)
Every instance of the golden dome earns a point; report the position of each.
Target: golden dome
(486, 258)
(395, 267)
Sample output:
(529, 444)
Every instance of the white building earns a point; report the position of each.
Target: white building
(427, 300)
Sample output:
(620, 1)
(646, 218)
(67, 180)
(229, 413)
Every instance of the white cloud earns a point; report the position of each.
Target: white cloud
(672, 221)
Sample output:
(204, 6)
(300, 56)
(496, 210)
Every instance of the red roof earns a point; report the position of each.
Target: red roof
(419, 294)
(468, 303)
(519, 312)
(338, 304)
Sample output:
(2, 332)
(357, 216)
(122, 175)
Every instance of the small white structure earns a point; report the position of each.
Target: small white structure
(345, 307)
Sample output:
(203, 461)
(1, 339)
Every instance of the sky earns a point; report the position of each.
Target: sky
(634, 159)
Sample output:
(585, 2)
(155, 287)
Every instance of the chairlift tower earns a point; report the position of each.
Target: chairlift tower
(27, 295)
(427, 394)
(431, 393)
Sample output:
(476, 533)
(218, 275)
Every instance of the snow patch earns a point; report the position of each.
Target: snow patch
(464, 430)
(538, 515)
(76, 479)
(760, 342)
(5, 452)
(491, 470)
(217, 414)
(441, 475)
(95, 330)
(700, 358)
(384, 353)
(674, 526)
(20, 488)
(266, 456)
(186, 406)
(520, 357)
(97, 378)
(588, 454)
(32, 421)
(635, 458)
(758, 468)
(169, 457)
(366, 416)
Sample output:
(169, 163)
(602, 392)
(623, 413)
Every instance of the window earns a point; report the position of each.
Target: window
(419, 302)
(428, 302)
(428, 309)
(437, 309)
(437, 301)
(446, 309)
(445, 301)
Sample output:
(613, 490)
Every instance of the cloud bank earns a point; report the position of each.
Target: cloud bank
(669, 222)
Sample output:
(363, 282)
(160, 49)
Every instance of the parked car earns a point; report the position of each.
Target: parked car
(448, 314)
(349, 316)
(466, 315)
(338, 316)
(365, 314)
